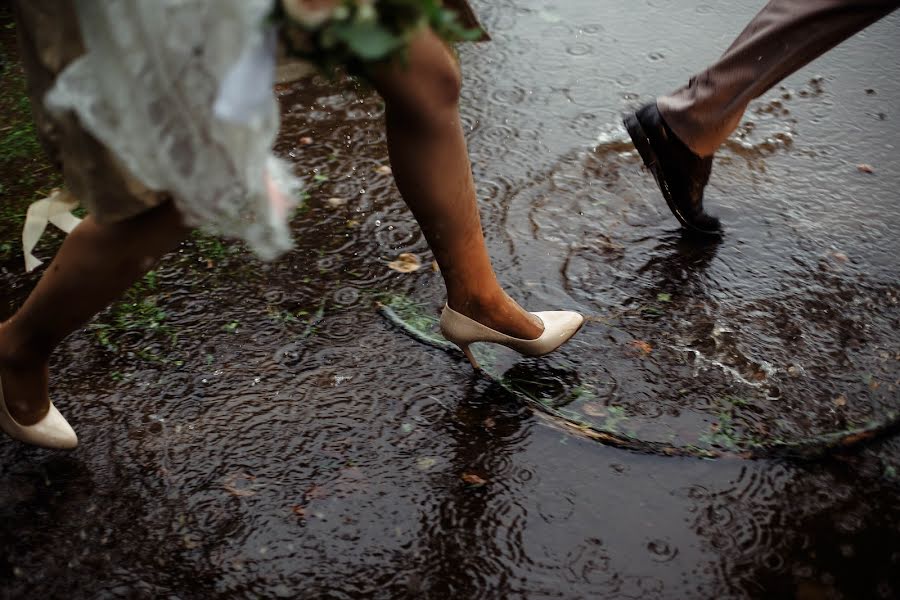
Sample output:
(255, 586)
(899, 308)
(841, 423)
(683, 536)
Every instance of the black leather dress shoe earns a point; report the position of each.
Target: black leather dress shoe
(680, 174)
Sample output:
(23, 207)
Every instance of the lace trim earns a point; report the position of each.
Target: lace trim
(147, 86)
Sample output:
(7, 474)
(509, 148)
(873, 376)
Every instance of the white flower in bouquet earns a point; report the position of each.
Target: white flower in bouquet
(312, 13)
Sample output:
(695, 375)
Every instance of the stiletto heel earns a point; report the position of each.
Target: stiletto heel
(468, 352)
(559, 327)
(53, 431)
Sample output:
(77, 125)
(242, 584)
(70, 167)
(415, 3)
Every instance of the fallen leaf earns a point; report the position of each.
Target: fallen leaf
(299, 510)
(593, 409)
(336, 202)
(406, 263)
(426, 462)
(840, 257)
(864, 168)
(234, 486)
(643, 346)
(435, 267)
(489, 423)
(473, 479)
(306, 141)
(664, 297)
(384, 170)
(758, 375)
(315, 492)
(840, 400)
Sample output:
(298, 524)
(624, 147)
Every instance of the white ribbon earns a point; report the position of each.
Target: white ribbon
(55, 209)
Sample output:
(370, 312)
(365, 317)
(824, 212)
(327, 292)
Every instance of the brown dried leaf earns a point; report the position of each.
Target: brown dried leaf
(489, 423)
(643, 346)
(238, 484)
(473, 479)
(840, 257)
(594, 409)
(336, 202)
(840, 400)
(864, 168)
(406, 263)
(315, 492)
(306, 141)
(384, 170)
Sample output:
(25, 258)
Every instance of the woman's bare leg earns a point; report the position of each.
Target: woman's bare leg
(431, 166)
(95, 264)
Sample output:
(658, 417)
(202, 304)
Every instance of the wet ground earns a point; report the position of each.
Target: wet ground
(260, 430)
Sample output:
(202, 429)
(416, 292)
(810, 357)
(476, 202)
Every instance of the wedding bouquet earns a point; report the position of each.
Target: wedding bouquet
(355, 34)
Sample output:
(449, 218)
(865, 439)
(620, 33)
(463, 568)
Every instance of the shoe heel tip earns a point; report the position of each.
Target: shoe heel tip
(468, 352)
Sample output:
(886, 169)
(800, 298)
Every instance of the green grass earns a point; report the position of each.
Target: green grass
(25, 172)
(137, 311)
(18, 141)
(211, 247)
(18, 138)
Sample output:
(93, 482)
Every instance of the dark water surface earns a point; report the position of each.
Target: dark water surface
(259, 430)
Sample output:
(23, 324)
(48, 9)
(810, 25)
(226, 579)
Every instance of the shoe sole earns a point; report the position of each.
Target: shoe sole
(642, 142)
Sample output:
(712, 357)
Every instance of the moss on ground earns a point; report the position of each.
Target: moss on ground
(25, 172)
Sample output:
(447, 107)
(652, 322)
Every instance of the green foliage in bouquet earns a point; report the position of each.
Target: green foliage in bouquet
(357, 34)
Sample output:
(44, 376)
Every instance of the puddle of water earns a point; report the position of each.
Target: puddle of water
(259, 430)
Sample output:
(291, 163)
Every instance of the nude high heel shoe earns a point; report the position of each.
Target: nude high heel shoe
(559, 326)
(53, 431)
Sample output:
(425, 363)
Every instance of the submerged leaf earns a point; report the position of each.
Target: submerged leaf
(239, 484)
(406, 263)
(426, 462)
(593, 409)
(473, 479)
(643, 346)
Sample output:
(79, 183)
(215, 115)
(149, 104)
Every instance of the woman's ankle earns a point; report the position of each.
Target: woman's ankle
(16, 353)
(23, 375)
(495, 309)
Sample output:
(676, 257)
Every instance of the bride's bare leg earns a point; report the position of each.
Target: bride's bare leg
(95, 264)
(431, 166)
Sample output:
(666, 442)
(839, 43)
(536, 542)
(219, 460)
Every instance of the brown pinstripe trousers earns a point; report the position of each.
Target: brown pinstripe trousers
(782, 38)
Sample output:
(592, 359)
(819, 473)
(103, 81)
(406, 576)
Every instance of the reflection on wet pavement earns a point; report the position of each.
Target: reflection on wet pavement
(259, 430)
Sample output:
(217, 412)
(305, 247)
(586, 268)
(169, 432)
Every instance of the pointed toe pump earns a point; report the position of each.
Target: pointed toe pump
(559, 327)
(53, 431)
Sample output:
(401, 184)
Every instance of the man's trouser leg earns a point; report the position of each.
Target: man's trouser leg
(782, 38)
